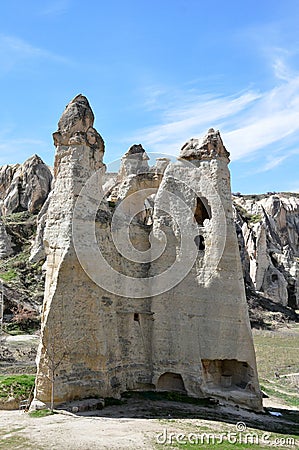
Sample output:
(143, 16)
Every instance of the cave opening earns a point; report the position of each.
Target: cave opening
(202, 211)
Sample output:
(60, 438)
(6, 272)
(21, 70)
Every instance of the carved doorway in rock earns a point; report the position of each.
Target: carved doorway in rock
(170, 381)
(202, 210)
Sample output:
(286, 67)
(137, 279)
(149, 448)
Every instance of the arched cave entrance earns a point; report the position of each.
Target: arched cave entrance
(202, 210)
(170, 381)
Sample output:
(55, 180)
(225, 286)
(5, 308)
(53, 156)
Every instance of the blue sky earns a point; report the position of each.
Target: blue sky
(157, 73)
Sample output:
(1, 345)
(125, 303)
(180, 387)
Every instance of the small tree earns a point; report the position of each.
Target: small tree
(55, 352)
(25, 318)
(54, 357)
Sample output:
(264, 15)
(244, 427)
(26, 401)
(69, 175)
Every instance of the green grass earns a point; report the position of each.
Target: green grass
(29, 327)
(11, 439)
(287, 398)
(255, 218)
(251, 218)
(277, 355)
(9, 275)
(13, 329)
(224, 446)
(17, 443)
(19, 217)
(17, 386)
(219, 435)
(41, 413)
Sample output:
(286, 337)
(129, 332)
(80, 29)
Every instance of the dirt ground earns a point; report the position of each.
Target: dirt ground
(139, 424)
(69, 432)
(135, 425)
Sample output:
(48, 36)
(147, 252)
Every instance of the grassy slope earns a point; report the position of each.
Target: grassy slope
(277, 356)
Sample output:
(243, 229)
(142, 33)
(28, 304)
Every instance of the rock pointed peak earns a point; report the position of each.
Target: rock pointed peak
(210, 147)
(136, 150)
(134, 161)
(75, 126)
(34, 159)
(80, 98)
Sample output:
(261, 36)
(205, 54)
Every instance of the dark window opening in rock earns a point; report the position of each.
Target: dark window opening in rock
(202, 211)
(199, 242)
(171, 382)
(274, 277)
(292, 300)
(136, 317)
(226, 373)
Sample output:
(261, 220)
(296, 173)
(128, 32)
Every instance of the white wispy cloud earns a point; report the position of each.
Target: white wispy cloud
(186, 118)
(14, 51)
(248, 121)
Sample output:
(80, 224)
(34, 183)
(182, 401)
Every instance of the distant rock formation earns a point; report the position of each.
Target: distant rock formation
(5, 242)
(24, 187)
(210, 147)
(134, 161)
(268, 228)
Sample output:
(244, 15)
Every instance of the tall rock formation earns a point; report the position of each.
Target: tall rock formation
(79, 154)
(270, 228)
(201, 328)
(24, 187)
(138, 299)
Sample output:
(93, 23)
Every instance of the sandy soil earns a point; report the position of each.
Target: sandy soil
(131, 426)
(69, 432)
(116, 428)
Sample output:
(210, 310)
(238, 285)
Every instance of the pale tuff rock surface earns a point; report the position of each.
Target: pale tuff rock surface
(76, 125)
(67, 297)
(270, 227)
(6, 176)
(210, 147)
(24, 187)
(37, 253)
(5, 242)
(109, 328)
(134, 161)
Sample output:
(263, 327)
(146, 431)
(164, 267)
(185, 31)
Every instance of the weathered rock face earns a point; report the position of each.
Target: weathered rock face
(270, 228)
(74, 164)
(207, 309)
(25, 187)
(110, 322)
(5, 242)
(211, 147)
(134, 161)
(76, 125)
(6, 176)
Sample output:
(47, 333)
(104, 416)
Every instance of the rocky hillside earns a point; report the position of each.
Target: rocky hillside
(23, 190)
(268, 230)
(267, 227)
